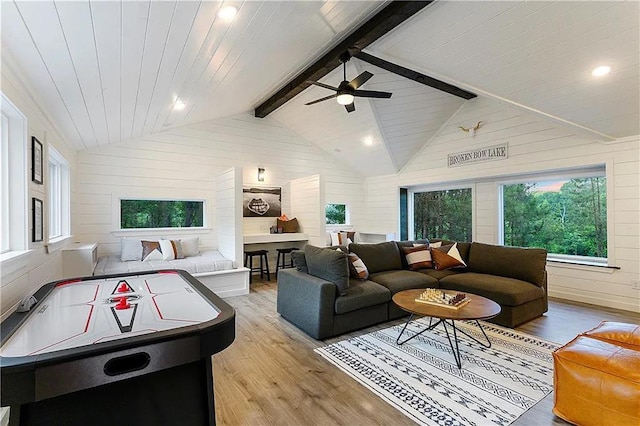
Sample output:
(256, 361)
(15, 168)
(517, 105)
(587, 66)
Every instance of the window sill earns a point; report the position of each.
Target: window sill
(58, 243)
(582, 265)
(12, 256)
(160, 231)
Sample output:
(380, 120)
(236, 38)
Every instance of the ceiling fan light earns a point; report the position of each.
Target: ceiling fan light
(345, 98)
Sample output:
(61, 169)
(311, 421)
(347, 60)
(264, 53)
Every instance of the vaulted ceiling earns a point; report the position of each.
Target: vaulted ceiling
(106, 71)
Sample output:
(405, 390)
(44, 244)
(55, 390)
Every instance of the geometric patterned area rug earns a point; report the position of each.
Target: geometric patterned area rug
(420, 378)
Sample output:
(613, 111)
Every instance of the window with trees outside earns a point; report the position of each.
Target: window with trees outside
(444, 214)
(566, 216)
(135, 214)
(59, 199)
(336, 214)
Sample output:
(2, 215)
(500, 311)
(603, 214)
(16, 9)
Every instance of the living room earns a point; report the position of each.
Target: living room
(554, 125)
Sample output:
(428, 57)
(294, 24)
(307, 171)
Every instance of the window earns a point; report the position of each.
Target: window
(14, 225)
(161, 214)
(59, 200)
(566, 215)
(443, 214)
(336, 214)
(4, 180)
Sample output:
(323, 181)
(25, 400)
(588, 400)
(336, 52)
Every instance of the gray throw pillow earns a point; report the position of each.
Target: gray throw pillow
(330, 265)
(299, 261)
(130, 249)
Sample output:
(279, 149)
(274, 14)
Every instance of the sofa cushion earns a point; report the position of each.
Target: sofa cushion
(447, 257)
(463, 247)
(399, 280)
(412, 243)
(299, 261)
(330, 265)
(526, 264)
(502, 290)
(378, 257)
(417, 257)
(357, 268)
(362, 294)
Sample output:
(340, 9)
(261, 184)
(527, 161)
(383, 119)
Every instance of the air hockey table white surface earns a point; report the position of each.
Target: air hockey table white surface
(78, 313)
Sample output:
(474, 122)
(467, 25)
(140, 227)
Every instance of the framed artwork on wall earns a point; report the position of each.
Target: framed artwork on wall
(36, 160)
(37, 220)
(261, 201)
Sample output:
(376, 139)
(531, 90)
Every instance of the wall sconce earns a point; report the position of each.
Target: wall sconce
(260, 174)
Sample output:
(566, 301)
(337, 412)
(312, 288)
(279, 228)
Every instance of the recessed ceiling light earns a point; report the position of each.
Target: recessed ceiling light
(368, 141)
(227, 13)
(179, 105)
(600, 71)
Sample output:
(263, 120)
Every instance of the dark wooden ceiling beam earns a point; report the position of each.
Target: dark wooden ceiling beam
(415, 76)
(384, 21)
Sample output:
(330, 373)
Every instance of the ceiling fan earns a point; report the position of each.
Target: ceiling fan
(347, 91)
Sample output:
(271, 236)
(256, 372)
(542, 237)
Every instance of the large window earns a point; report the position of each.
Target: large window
(161, 214)
(443, 214)
(567, 216)
(13, 183)
(59, 200)
(336, 214)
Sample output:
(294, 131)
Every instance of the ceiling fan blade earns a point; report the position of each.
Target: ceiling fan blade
(350, 107)
(360, 80)
(371, 94)
(322, 99)
(326, 86)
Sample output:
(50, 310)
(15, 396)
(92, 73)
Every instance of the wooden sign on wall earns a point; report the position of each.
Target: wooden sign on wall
(489, 153)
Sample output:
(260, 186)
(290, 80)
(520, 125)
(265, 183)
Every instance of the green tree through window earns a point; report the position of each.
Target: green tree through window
(564, 216)
(443, 214)
(161, 214)
(336, 214)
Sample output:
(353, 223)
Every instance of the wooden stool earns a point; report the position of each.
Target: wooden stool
(264, 263)
(281, 264)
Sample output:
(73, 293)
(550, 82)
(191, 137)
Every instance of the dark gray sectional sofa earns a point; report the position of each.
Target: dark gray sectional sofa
(309, 296)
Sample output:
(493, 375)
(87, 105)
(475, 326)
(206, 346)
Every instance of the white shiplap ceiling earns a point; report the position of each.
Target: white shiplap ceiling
(106, 71)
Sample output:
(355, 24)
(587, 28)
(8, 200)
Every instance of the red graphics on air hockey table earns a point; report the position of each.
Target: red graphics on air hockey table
(115, 350)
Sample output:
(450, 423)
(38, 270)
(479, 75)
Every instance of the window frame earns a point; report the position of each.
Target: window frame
(59, 201)
(597, 170)
(347, 215)
(439, 187)
(165, 229)
(15, 179)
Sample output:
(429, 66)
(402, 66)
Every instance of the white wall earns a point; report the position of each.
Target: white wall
(307, 204)
(535, 144)
(41, 263)
(229, 214)
(184, 162)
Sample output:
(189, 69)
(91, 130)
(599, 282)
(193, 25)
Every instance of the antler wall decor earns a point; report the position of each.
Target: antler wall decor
(471, 130)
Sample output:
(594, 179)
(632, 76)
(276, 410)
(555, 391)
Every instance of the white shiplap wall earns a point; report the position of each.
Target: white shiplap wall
(535, 145)
(22, 276)
(184, 162)
(307, 204)
(229, 213)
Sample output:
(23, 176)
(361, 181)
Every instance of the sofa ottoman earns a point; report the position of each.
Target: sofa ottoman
(597, 376)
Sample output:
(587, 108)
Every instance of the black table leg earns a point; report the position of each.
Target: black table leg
(431, 327)
(454, 349)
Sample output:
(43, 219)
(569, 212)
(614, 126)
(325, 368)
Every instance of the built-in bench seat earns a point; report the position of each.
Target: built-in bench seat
(219, 274)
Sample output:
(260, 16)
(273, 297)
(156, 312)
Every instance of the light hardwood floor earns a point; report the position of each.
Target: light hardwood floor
(271, 376)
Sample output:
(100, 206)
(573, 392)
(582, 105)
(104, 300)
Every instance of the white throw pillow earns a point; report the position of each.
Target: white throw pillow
(171, 249)
(130, 249)
(190, 246)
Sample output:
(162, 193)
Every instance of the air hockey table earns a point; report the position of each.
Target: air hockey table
(116, 349)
